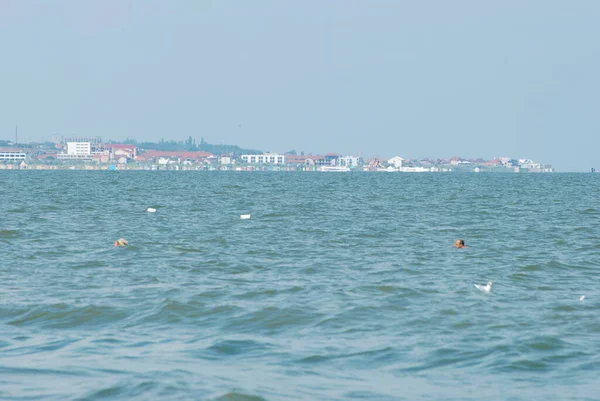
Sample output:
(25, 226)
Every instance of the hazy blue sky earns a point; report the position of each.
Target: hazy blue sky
(410, 78)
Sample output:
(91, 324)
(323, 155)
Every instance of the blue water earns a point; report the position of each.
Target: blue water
(341, 286)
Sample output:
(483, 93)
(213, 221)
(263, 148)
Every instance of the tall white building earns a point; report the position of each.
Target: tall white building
(77, 151)
(79, 148)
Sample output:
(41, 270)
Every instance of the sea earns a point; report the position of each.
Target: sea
(340, 286)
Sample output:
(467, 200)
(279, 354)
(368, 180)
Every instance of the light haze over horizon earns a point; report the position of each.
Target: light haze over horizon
(413, 79)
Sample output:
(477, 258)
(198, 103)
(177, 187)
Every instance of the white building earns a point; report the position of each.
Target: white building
(529, 164)
(79, 148)
(347, 161)
(396, 161)
(225, 160)
(11, 155)
(77, 151)
(267, 158)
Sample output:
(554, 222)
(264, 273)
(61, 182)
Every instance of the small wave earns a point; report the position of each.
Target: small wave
(557, 265)
(63, 316)
(171, 312)
(443, 357)
(239, 397)
(237, 347)
(326, 358)
(144, 390)
(273, 216)
(519, 276)
(272, 319)
(543, 343)
(90, 264)
(525, 365)
(189, 250)
(564, 308)
(9, 233)
(260, 294)
(15, 370)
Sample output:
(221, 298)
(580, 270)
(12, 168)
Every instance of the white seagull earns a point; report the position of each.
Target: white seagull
(581, 298)
(244, 216)
(484, 288)
(151, 210)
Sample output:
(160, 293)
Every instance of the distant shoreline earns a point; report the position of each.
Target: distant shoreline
(250, 169)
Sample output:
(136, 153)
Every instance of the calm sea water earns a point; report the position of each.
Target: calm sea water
(341, 286)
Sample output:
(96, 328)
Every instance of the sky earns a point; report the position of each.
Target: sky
(429, 78)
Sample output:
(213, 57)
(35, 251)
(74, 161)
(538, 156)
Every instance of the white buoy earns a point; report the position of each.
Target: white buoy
(151, 210)
(484, 288)
(244, 216)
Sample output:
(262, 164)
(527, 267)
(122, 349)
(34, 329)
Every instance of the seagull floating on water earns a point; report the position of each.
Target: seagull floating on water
(244, 216)
(484, 288)
(581, 298)
(151, 210)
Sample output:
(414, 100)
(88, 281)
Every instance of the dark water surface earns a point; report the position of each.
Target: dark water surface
(341, 286)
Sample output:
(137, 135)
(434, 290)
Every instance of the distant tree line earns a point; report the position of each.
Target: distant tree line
(190, 145)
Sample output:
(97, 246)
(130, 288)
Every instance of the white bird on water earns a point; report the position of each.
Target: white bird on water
(244, 216)
(151, 210)
(581, 298)
(484, 288)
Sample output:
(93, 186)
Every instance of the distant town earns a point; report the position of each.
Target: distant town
(81, 153)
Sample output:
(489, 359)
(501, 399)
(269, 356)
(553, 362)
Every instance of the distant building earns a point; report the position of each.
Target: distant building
(529, 164)
(12, 154)
(316, 160)
(77, 151)
(455, 161)
(178, 156)
(348, 161)
(493, 163)
(396, 161)
(226, 160)
(331, 159)
(267, 158)
(295, 160)
(118, 151)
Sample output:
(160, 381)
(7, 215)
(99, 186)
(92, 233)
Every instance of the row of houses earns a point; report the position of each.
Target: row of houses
(92, 150)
